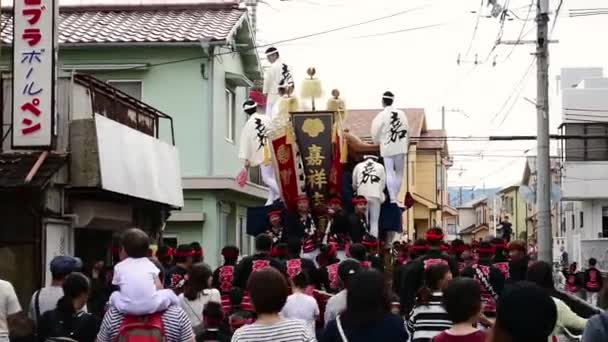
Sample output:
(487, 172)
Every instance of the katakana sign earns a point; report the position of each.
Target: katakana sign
(34, 55)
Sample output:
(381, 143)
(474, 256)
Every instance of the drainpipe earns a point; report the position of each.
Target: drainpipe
(209, 47)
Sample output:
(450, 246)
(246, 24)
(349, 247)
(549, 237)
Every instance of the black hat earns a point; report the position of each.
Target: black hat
(388, 95)
(249, 105)
(347, 268)
(271, 51)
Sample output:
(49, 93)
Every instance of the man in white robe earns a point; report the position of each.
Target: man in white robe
(369, 180)
(254, 149)
(278, 73)
(390, 131)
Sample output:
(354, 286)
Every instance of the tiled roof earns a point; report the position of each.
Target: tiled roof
(15, 167)
(141, 25)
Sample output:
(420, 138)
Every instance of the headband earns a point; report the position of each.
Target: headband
(335, 201)
(170, 252)
(184, 254)
(250, 105)
(360, 200)
(274, 213)
(420, 248)
(432, 236)
(486, 250)
(389, 97)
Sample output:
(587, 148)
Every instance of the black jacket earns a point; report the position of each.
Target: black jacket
(82, 327)
(340, 223)
(358, 228)
(496, 278)
(244, 268)
(295, 228)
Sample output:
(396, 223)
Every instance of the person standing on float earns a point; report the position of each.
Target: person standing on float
(390, 131)
(254, 149)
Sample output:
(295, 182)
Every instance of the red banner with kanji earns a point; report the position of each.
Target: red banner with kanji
(286, 170)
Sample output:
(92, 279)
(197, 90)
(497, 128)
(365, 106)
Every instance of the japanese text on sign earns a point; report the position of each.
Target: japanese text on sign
(33, 73)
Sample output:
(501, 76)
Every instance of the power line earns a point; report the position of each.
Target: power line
(310, 35)
(521, 32)
(474, 30)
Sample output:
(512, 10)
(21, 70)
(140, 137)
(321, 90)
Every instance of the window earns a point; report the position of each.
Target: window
(230, 99)
(580, 215)
(129, 87)
(589, 149)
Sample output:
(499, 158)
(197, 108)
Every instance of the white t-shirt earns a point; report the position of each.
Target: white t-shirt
(9, 305)
(136, 278)
(47, 300)
(303, 307)
(194, 308)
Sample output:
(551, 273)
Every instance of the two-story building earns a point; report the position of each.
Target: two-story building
(426, 174)
(78, 196)
(584, 95)
(196, 61)
(513, 208)
(475, 220)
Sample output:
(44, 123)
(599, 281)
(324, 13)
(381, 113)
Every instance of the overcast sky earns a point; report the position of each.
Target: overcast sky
(420, 67)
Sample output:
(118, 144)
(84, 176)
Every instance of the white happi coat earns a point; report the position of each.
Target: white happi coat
(272, 78)
(390, 131)
(253, 139)
(369, 179)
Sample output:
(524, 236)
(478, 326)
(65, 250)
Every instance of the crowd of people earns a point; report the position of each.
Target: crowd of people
(439, 292)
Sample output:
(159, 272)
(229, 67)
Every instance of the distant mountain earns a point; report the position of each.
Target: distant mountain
(468, 194)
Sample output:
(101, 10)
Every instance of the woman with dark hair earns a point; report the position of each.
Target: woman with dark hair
(525, 313)
(268, 291)
(367, 316)
(176, 276)
(197, 293)
(541, 274)
(429, 318)
(68, 320)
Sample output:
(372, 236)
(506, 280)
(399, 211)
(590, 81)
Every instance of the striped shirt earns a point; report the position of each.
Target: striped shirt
(427, 321)
(287, 330)
(176, 324)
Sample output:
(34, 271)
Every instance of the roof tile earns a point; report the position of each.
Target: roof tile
(142, 25)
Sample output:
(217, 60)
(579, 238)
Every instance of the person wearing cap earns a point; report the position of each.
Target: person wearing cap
(369, 180)
(518, 260)
(303, 226)
(176, 276)
(254, 149)
(490, 278)
(46, 298)
(276, 231)
(390, 131)
(338, 229)
(412, 275)
(277, 72)
(358, 220)
(337, 303)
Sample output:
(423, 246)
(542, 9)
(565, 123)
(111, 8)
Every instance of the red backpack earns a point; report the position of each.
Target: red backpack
(148, 328)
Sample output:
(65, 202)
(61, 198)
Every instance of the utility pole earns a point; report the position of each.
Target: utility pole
(543, 185)
(443, 117)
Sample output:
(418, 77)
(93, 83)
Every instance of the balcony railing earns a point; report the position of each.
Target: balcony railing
(119, 106)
